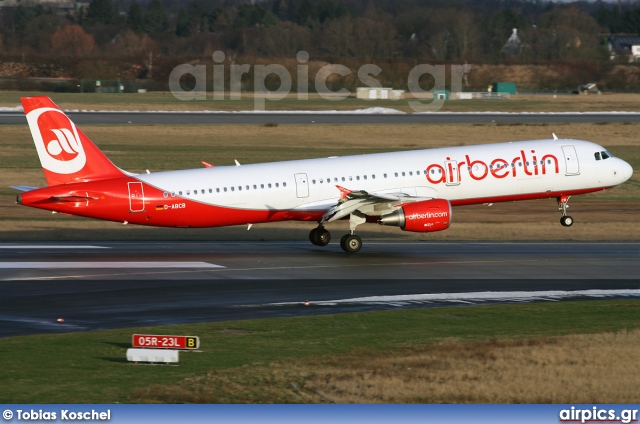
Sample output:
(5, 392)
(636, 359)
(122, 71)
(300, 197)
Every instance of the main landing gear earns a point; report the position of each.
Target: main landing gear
(350, 242)
(320, 236)
(566, 220)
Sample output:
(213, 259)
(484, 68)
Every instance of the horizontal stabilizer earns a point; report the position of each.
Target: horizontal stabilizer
(24, 188)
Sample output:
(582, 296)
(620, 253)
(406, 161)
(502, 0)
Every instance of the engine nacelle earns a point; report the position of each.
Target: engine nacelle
(420, 217)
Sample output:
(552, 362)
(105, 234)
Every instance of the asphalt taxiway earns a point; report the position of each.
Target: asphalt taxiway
(115, 285)
(244, 118)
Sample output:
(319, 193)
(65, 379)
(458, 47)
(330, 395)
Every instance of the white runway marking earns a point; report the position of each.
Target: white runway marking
(102, 265)
(517, 296)
(47, 246)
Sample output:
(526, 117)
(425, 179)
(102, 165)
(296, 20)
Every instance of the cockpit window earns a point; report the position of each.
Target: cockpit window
(606, 155)
(597, 155)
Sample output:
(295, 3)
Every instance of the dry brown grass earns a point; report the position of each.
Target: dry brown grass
(601, 368)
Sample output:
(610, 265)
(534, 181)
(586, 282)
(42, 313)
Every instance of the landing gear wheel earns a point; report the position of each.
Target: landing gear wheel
(351, 243)
(344, 237)
(320, 236)
(566, 221)
(313, 236)
(323, 237)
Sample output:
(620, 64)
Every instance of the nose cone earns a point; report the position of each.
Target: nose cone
(625, 171)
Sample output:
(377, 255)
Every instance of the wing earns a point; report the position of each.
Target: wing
(367, 203)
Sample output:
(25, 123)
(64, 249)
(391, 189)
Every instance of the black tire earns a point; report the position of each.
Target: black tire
(344, 237)
(323, 237)
(313, 236)
(352, 243)
(566, 221)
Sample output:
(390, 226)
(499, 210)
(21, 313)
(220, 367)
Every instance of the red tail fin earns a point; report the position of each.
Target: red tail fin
(66, 154)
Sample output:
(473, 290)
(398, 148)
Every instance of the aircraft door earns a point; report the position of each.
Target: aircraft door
(302, 185)
(136, 197)
(451, 171)
(571, 160)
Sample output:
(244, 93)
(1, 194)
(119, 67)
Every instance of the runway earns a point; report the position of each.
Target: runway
(116, 285)
(236, 118)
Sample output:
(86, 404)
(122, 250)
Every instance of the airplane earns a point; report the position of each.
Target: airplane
(413, 190)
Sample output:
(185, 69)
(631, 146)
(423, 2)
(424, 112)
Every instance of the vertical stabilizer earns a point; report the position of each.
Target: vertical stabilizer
(66, 154)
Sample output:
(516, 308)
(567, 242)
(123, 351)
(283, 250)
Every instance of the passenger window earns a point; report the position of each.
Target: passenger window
(403, 174)
(396, 174)
(173, 194)
(358, 177)
(180, 193)
(284, 184)
(247, 187)
(217, 190)
(313, 181)
(365, 177)
(165, 194)
(239, 188)
(233, 189)
(277, 185)
(225, 189)
(343, 179)
(261, 185)
(384, 175)
(188, 192)
(269, 185)
(255, 187)
(210, 190)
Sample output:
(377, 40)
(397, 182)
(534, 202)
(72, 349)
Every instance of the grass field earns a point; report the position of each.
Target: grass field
(166, 101)
(507, 353)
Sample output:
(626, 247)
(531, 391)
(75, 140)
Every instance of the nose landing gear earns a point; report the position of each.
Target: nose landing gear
(566, 220)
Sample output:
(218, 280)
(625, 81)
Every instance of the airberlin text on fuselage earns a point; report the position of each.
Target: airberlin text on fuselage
(498, 168)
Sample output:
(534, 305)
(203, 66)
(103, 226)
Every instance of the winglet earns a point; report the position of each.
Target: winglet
(206, 164)
(555, 137)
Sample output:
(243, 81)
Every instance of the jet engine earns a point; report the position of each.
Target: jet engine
(420, 217)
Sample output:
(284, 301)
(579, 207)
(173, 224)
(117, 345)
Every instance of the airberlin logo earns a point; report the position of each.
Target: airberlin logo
(523, 165)
(57, 141)
(427, 215)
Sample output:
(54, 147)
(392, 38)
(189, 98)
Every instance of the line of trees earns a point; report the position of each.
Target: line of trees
(132, 39)
(435, 30)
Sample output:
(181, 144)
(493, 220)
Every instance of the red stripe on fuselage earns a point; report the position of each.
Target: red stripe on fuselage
(109, 200)
(518, 197)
